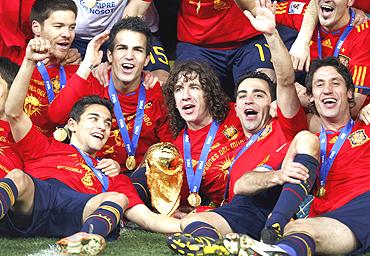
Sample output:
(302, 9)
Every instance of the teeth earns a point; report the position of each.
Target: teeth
(327, 7)
(325, 101)
(187, 106)
(128, 65)
(96, 135)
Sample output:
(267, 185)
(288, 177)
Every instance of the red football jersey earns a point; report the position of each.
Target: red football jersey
(349, 174)
(36, 103)
(228, 137)
(354, 53)
(155, 125)
(9, 157)
(46, 158)
(269, 149)
(217, 24)
(270, 141)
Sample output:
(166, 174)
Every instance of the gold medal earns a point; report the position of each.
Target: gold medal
(90, 3)
(194, 199)
(130, 163)
(60, 134)
(321, 192)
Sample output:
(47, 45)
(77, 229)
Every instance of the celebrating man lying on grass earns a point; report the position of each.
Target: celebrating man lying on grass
(74, 167)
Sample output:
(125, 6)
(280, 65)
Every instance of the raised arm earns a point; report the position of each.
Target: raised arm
(300, 50)
(287, 98)
(38, 49)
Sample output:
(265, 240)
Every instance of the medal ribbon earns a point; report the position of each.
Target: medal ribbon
(98, 173)
(194, 179)
(48, 85)
(342, 37)
(241, 151)
(130, 145)
(327, 162)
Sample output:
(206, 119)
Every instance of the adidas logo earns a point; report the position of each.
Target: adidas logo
(327, 43)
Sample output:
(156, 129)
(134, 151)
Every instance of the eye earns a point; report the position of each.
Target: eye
(258, 95)
(178, 89)
(242, 96)
(108, 123)
(72, 27)
(93, 118)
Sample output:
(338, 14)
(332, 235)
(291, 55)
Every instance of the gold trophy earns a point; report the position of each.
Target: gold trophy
(164, 174)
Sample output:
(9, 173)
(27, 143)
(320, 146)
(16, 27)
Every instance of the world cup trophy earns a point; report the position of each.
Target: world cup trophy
(164, 174)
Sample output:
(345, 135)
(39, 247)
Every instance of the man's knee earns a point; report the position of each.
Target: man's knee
(190, 218)
(115, 197)
(307, 142)
(302, 226)
(21, 180)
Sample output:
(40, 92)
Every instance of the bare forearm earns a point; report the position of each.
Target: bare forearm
(19, 89)
(281, 60)
(141, 215)
(254, 182)
(309, 23)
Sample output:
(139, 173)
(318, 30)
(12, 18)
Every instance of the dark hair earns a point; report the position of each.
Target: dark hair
(339, 67)
(80, 106)
(8, 70)
(135, 24)
(42, 9)
(259, 75)
(214, 96)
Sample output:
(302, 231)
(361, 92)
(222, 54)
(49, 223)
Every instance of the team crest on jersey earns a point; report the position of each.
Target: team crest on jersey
(327, 43)
(343, 59)
(358, 138)
(56, 85)
(230, 132)
(266, 132)
(296, 8)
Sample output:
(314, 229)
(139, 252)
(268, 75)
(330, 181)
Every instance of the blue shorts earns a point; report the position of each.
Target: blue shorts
(57, 212)
(356, 216)
(252, 55)
(248, 214)
(158, 58)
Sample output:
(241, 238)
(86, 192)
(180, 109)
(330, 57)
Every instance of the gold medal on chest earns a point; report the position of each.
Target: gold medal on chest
(194, 199)
(130, 163)
(60, 134)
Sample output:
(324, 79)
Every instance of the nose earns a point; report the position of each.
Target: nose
(129, 54)
(101, 124)
(249, 99)
(328, 88)
(185, 93)
(66, 32)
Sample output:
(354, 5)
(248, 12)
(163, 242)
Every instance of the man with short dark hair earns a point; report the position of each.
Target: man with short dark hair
(140, 115)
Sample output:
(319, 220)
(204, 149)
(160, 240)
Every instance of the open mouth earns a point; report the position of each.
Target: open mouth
(250, 112)
(64, 45)
(326, 9)
(128, 67)
(188, 108)
(97, 135)
(329, 102)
